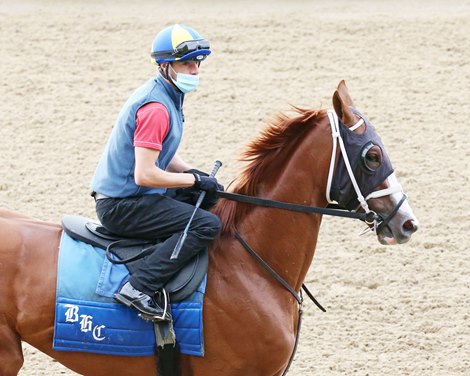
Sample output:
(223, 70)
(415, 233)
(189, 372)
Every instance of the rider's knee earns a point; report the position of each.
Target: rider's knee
(215, 225)
(209, 225)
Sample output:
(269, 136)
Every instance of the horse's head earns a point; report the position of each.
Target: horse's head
(363, 178)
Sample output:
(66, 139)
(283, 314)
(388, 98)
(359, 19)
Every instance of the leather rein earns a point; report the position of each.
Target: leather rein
(366, 217)
(374, 221)
(333, 210)
(370, 218)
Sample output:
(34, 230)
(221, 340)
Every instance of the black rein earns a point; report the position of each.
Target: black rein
(368, 217)
(277, 277)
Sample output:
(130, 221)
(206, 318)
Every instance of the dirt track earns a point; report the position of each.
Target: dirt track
(66, 70)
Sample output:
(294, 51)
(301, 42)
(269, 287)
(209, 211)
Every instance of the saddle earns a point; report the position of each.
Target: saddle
(183, 284)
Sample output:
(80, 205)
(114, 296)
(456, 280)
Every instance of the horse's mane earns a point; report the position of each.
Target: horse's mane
(276, 143)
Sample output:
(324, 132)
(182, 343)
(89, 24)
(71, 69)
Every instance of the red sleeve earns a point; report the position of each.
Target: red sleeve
(153, 123)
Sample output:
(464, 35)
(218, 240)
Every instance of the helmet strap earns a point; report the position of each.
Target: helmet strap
(166, 74)
(163, 72)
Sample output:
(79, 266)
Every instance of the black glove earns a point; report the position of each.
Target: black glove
(191, 194)
(207, 183)
(196, 171)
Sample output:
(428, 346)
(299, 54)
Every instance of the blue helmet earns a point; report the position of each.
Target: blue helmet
(179, 43)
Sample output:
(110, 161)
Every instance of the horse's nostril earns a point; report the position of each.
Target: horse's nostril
(410, 226)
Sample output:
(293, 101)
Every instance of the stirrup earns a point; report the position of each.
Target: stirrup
(165, 316)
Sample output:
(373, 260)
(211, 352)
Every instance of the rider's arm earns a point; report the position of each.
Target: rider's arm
(152, 125)
(147, 174)
(177, 164)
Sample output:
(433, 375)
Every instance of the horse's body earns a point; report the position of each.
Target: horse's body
(250, 320)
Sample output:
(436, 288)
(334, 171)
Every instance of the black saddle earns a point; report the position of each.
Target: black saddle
(183, 284)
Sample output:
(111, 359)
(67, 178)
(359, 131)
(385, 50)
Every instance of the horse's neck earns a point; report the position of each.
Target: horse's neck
(284, 239)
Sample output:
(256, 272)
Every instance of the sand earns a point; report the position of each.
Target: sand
(67, 67)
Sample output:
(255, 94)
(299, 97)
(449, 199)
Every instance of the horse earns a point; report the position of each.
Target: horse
(251, 320)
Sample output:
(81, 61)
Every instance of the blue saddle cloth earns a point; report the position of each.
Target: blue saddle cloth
(88, 319)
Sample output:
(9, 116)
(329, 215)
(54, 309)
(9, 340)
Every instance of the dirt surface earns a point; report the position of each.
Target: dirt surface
(67, 67)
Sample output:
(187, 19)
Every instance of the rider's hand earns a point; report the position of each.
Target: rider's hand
(207, 183)
(196, 171)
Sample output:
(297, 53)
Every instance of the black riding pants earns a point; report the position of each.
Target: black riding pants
(155, 217)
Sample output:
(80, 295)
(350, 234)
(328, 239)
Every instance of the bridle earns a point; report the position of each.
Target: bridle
(373, 220)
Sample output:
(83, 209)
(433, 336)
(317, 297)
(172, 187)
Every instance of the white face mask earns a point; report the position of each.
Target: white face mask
(185, 82)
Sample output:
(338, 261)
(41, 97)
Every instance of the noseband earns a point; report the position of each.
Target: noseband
(374, 221)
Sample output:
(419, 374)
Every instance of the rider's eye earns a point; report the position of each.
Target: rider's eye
(371, 157)
(189, 63)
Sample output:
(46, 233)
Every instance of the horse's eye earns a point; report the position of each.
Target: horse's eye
(371, 157)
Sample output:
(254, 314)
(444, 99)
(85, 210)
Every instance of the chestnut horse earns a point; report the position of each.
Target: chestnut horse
(250, 319)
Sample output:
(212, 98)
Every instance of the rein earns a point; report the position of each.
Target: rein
(277, 277)
(372, 219)
(288, 287)
(366, 217)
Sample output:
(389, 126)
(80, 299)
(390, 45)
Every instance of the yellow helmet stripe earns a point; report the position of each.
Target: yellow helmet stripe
(179, 35)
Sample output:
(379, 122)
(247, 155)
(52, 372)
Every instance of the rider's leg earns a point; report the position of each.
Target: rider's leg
(159, 217)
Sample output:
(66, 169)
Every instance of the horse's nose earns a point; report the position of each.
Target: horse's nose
(410, 226)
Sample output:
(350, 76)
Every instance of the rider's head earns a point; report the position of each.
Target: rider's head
(178, 50)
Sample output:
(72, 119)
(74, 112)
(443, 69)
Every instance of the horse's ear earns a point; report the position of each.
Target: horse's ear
(342, 104)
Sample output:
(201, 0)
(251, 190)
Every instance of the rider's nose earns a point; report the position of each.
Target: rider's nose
(194, 68)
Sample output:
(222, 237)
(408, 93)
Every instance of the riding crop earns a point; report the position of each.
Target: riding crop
(183, 236)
